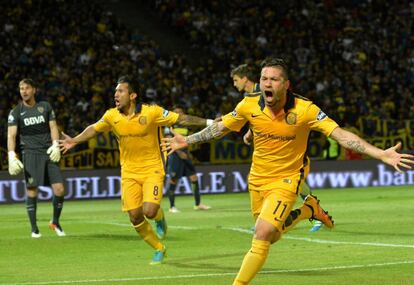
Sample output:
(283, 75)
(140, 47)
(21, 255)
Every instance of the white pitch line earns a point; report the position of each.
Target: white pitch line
(289, 237)
(326, 241)
(188, 276)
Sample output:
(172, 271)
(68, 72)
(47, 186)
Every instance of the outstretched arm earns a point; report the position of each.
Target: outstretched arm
(68, 142)
(216, 130)
(188, 120)
(389, 156)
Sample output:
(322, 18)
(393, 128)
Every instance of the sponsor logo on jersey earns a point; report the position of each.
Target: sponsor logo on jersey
(143, 120)
(291, 118)
(10, 119)
(34, 120)
(321, 115)
(234, 113)
(165, 113)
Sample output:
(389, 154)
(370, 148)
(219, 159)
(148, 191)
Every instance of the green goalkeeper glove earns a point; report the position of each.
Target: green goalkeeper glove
(15, 165)
(54, 152)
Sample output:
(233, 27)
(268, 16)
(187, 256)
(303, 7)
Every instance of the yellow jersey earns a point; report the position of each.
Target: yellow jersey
(280, 142)
(139, 138)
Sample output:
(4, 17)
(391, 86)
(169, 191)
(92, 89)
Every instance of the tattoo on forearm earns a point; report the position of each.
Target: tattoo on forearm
(356, 145)
(188, 120)
(204, 135)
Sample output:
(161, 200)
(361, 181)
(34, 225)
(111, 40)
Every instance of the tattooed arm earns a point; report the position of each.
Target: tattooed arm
(214, 131)
(389, 156)
(188, 120)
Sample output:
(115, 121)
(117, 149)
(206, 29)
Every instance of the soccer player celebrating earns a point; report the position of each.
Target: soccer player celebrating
(138, 129)
(281, 122)
(36, 124)
(244, 80)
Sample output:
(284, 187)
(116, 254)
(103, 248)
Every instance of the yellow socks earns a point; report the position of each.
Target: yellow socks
(145, 230)
(159, 215)
(295, 216)
(253, 262)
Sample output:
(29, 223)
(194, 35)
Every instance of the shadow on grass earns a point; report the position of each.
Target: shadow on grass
(202, 262)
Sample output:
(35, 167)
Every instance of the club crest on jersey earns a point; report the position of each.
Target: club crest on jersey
(291, 118)
(165, 113)
(40, 109)
(234, 113)
(321, 115)
(142, 120)
(10, 119)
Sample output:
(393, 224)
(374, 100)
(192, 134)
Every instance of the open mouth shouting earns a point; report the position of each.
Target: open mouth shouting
(117, 104)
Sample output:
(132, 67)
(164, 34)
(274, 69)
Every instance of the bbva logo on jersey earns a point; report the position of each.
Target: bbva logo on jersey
(34, 120)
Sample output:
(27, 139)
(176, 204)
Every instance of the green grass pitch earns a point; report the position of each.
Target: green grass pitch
(372, 243)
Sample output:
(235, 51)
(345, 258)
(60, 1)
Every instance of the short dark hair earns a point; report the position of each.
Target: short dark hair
(28, 81)
(245, 70)
(276, 62)
(133, 85)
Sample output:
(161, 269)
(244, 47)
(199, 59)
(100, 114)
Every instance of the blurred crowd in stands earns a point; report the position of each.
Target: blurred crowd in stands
(355, 59)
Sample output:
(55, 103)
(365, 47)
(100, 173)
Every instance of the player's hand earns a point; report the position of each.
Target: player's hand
(248, 137)
(15, 165)
(175, 143)
(66, 143)
(397, 160)
(54, 152)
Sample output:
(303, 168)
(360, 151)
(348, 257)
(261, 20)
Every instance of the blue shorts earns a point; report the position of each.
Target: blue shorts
(177, 167)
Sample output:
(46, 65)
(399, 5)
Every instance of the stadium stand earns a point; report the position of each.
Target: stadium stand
(355, 58)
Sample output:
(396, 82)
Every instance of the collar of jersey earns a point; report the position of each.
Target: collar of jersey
(138, 109)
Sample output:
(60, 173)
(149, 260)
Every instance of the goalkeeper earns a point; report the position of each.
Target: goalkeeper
(35, 123)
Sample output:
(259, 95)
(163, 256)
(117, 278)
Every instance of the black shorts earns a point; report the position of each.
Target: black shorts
(39, 170)
(178, 167)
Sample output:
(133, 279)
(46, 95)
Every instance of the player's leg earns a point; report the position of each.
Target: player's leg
(152, 196)
(174, 171)
(172, 184)
(132, 202)
(56, 181)
(34, 169)
(189, 171)
(316, 225)
(309, 210)
(275, 210)
(196, 192)
(31, 208)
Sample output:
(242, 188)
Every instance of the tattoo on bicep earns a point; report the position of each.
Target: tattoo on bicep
(206, 134)
(356, 145)
(188, 120)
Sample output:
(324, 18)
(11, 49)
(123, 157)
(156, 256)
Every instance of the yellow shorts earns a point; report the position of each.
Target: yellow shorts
(283, 192)
(276, 206)
(136, 191)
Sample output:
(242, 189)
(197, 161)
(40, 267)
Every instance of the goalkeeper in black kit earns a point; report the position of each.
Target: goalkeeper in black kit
(35, 123)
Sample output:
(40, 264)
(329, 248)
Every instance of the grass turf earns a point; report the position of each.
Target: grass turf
(372, 243)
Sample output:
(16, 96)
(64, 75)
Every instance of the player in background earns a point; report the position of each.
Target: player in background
(179, 165)
(138, 128)
(35, 123)
(244, 78)
(281, 122)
